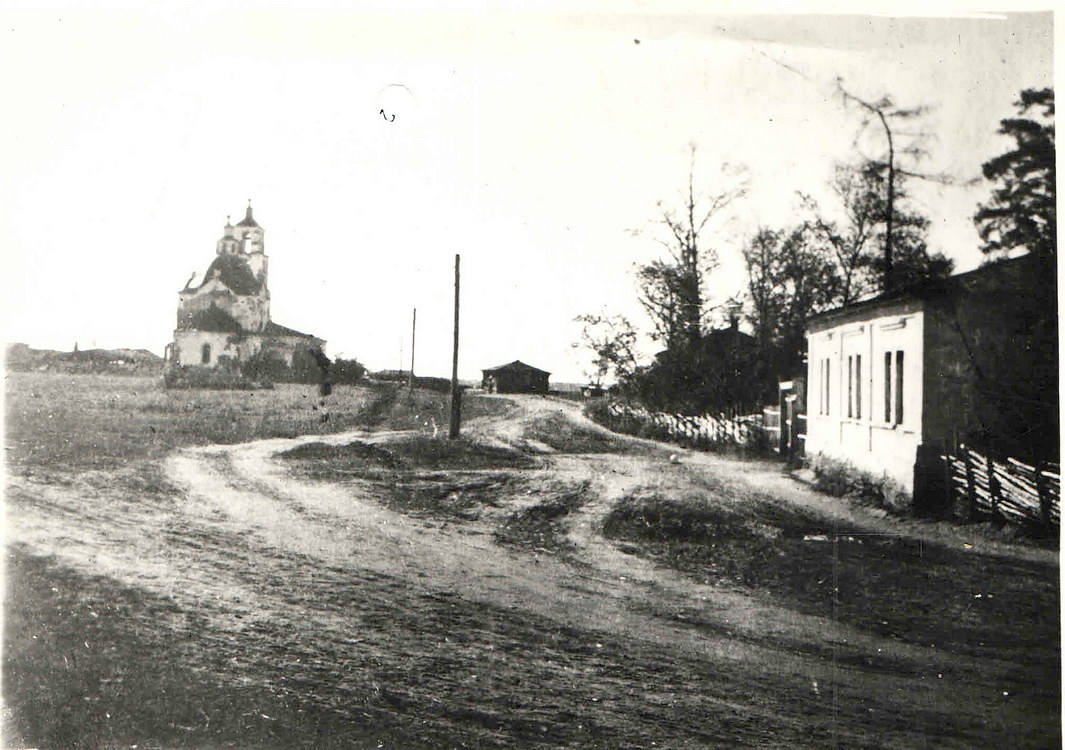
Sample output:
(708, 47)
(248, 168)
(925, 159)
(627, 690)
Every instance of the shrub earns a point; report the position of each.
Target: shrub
(265, 367)
(347, 371)
(270, 366)
(843, 479)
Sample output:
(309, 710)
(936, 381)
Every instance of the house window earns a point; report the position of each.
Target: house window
(887, 386)
(854, 386)
(899, 369)
(893, 387)
(825, 389)
(205, 354)
(850, 387)
(858, 386)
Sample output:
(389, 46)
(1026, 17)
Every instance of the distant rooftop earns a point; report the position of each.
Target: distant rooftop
(516, 365)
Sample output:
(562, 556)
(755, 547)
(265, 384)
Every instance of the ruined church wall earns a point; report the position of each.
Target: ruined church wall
(213, 349)
(250, 311)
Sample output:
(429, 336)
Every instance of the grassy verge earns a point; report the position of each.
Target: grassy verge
(954, 599)
(451, 480)
(565, 436)
(417, 452)
(540, 526)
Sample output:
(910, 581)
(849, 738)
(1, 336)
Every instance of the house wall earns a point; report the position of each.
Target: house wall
(188, 347)
(858, 420)
(992, 379)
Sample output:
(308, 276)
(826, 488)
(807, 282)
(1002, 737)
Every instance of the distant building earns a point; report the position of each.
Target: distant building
(515, 377)
(224, 321)
(972, 358)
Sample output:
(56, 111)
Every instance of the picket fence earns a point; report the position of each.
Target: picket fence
(1005, 488)
(700, 431)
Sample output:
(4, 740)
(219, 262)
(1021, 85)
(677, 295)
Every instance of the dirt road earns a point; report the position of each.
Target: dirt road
(422, 630)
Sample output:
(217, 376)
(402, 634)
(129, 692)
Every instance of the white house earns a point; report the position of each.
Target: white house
(896, 380)
(864, 398)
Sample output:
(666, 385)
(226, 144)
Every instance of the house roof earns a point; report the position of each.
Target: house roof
(273, 329)
(717, 341)
(234, 272)
(725, 335)
(515, 366)
(920, 291)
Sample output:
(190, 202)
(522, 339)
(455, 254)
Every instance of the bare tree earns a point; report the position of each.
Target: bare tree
(855, 239)
(671, 290)
(849, 240)
(900, 143)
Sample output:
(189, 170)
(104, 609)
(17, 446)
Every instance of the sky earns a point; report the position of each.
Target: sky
(376, 145)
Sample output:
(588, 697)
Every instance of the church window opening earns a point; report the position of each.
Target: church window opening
(205, 354)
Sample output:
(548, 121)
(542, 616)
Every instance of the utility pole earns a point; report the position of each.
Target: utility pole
(456, 394)
(413, 329)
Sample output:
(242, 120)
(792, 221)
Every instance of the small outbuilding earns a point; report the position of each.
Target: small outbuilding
(515, 377)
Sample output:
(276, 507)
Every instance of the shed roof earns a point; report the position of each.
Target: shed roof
(515, 366)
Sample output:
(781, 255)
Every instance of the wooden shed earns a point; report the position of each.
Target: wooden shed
(515, 377)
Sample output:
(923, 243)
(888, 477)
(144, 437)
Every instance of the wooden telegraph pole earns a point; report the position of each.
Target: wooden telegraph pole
(456, 394)
(413, 329)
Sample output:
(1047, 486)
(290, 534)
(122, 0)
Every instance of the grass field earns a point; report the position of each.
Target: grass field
(70, 423)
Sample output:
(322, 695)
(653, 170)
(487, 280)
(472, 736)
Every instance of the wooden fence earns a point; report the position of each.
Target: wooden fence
(1005, 488)
(701, 431)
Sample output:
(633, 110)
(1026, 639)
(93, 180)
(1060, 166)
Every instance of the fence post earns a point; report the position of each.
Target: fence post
(948, 482)
(993, 486)
(1044, 495)
(970, 483)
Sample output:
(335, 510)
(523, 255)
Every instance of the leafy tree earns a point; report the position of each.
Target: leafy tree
(612, 340)
(1022, 212)
(791, 275)
(1017, 403)
(721, 374)
(347, 371)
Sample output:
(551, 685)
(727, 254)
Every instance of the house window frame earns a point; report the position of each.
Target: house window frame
(854, 387)
(894, 384)
(826, 386)
(205, 354)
